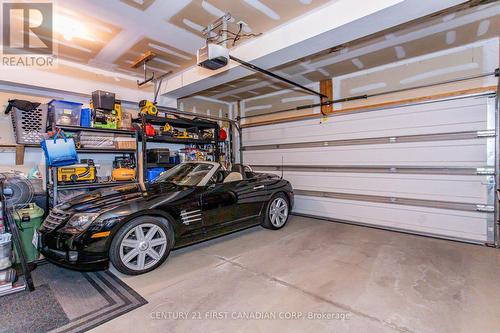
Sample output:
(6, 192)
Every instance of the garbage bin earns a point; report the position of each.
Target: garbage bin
(28, 220)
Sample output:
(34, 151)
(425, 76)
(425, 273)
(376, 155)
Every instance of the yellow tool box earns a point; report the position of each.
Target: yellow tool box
(76, 173)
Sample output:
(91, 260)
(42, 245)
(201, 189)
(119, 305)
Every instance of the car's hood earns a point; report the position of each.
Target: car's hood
(112, 197)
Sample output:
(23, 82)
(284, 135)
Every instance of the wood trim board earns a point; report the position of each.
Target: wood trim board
(470, 91)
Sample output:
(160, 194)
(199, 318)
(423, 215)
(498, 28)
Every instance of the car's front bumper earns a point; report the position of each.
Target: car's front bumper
(69, 251)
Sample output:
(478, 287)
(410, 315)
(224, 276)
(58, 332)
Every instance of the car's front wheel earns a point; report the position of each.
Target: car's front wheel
(277, 212)
(141, 245)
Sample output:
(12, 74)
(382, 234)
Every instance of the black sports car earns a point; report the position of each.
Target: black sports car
(135, 226)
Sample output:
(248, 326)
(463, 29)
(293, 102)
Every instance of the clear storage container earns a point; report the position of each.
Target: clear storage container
(64, 113)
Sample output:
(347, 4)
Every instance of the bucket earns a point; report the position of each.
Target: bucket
(5, 251)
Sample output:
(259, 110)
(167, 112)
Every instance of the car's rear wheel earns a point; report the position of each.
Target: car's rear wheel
(277, 212)
(141, 245)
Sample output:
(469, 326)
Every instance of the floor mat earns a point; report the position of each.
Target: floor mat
(38, 311)
(83, 299)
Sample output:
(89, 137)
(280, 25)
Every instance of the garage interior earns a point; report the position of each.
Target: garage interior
(298, 166)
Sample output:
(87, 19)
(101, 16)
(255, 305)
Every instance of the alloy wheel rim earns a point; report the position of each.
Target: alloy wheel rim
(278, 212)
(143, 246)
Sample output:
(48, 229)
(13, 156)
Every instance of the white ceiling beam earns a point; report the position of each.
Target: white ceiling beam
(334, 24)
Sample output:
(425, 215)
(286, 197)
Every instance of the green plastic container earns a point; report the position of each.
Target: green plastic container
(28, 220)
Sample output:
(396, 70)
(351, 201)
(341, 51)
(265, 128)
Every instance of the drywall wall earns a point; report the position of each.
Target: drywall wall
(336, 23)
(204, 106)
(410, 40)
(199, 105)
(472, 59)
(469, 60)
(34, 156)
(73, 78)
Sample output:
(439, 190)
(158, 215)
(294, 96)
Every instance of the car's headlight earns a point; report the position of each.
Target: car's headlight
(79, 222)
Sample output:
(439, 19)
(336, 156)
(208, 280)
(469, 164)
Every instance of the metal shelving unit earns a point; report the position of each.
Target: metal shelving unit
(193, 126)
(55, 186)
(181, 123)
(161, 165)
(169, 139)
(92, 185)
(94, 129)
(105, 151)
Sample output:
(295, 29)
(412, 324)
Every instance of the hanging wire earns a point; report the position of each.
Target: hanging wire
(235, 36)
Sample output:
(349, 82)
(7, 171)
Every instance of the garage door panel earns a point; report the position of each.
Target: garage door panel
(467, 153)
(425, 168)
(455, 188)
(457, 224)
(419, 119)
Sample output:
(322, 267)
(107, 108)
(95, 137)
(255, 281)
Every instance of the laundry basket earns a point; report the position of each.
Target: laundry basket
(5, 251)
(29, 126)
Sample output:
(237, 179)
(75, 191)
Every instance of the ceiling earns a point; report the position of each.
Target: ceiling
(429, 35)
(112, 34)
(257, 15)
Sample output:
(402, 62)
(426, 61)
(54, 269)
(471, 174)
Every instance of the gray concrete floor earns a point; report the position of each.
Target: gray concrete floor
(365, 280)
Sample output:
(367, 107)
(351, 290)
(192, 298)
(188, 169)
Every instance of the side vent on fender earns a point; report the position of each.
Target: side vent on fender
(190, 216)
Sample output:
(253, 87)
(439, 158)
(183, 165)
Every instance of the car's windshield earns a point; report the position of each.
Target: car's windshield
(188, 174)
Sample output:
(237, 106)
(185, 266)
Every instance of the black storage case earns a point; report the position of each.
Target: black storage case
(158, 155)
(103, 100)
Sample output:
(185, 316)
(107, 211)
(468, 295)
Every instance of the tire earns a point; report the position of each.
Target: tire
(277, 212)
(132, 256)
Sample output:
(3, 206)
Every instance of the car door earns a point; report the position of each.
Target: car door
(218, 204)
(225, 204)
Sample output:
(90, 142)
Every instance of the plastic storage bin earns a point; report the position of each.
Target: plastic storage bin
(5, 251)
(153, 173)
(64, 113)
(28, 220)
(86, 118)
(29, 126)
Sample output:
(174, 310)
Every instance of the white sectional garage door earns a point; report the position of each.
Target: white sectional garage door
(425, 168)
